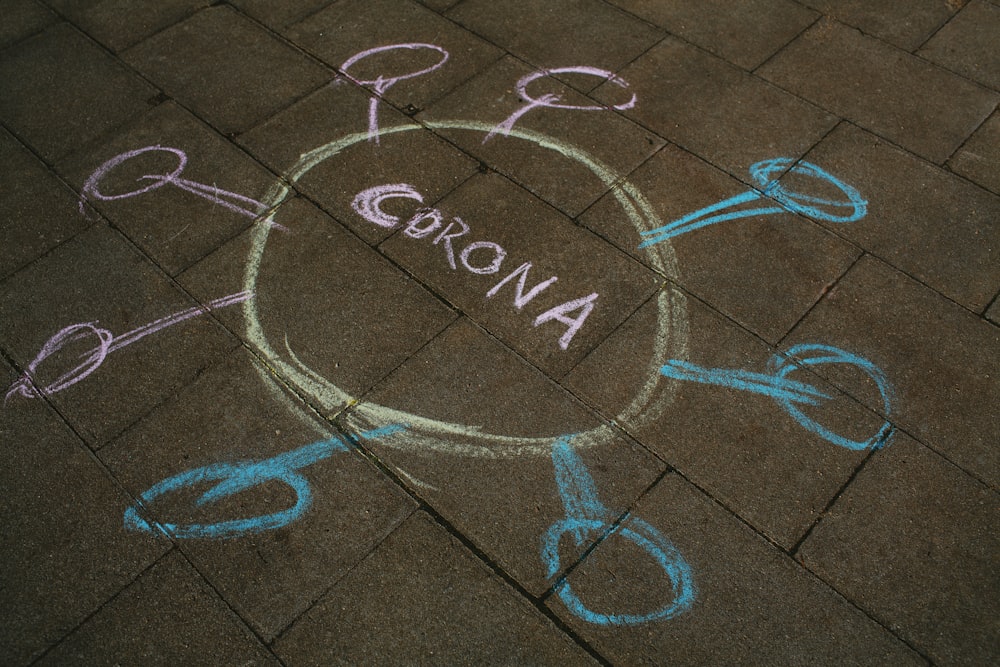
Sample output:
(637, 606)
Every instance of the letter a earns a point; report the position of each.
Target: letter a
(520, 298)
(559, 313)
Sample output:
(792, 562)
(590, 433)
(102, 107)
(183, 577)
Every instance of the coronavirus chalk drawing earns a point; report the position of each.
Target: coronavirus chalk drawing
(587, 519)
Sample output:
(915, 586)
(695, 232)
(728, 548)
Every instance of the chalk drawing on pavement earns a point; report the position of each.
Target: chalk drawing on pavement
(586, 515)
(785, 200)
(30, 386)
(233, 478)
(430, 435)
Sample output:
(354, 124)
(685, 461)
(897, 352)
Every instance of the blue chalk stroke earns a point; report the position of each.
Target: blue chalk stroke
(585, 514)
(233, 478)
(790, 394)
(785, 199)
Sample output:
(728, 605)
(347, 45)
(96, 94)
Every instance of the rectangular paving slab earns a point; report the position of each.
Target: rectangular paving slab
(748, 602)
(942, 361)
(104, 334)
(923, 108)
(62, 90)
(142, 625)
(765, 269)
(913, 540)
(744, 33)
(486, 463)
(40, 212)
(207, 195)
(269, 569)
(226, 68)
(428, 600)
(745, 448)
(518, 270)
(922, 219)
(64, 550)
(716, 110)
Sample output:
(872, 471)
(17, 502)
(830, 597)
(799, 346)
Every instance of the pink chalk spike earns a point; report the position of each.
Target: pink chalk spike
(106, 343)
(231, 200)
(552, 101)
(382, 84)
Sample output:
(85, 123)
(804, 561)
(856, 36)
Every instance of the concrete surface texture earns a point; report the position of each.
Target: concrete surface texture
(500, 332)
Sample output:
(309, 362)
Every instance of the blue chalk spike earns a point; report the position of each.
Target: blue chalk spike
(787, 200)
(586, 514)
(760, 383)
(791, 394)
(666, 555)
(233, 478)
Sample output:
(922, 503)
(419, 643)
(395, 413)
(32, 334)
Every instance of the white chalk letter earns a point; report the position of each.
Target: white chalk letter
(559, 313)
(413, 228)
(446, 237)
(367, 202)
(520, 298)
(492, 267)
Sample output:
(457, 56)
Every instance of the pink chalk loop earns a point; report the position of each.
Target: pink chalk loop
(552, 101)
(382, 84)
(230, 200)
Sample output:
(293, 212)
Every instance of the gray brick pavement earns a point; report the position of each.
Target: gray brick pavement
(346, 332)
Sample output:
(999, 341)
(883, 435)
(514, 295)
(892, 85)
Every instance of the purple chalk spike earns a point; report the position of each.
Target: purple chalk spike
(552, 101)
(233, 201)
(107, 343)
(382, 84)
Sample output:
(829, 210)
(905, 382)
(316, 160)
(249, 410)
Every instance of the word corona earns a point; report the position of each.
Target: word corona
(428, 221)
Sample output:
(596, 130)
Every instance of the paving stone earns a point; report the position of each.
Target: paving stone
(335, 317)
(979, 158)
(415, 157)
(968, 44)
(39, 212)
(172, 225)
(237, 411)
(98, 278)
(349, 27)
(716, 110)
(526, 231)
(226, 68)
(61, 91)
(440, 5)
(872, 84)
(753, 604)
(427, 600)
(494, 479)
(64, 550)
(913, 541)
(168, 616)
(559, 33)
(746, 33)
(118, 25)
(557, 173)
(904, 25)
(23, 18)
(942, 361)
(935, 226)
(763, 271)
(741, 447)
(994, 312)
(277, 15)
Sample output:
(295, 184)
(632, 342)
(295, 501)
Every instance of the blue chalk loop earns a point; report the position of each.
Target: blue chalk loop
(233, 478)
(587, 516)
(852, 208)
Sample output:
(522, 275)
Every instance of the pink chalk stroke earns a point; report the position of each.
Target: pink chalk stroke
(381, 84)
(231, 200)
(367, 203)
(106, 343)
(552, 101)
